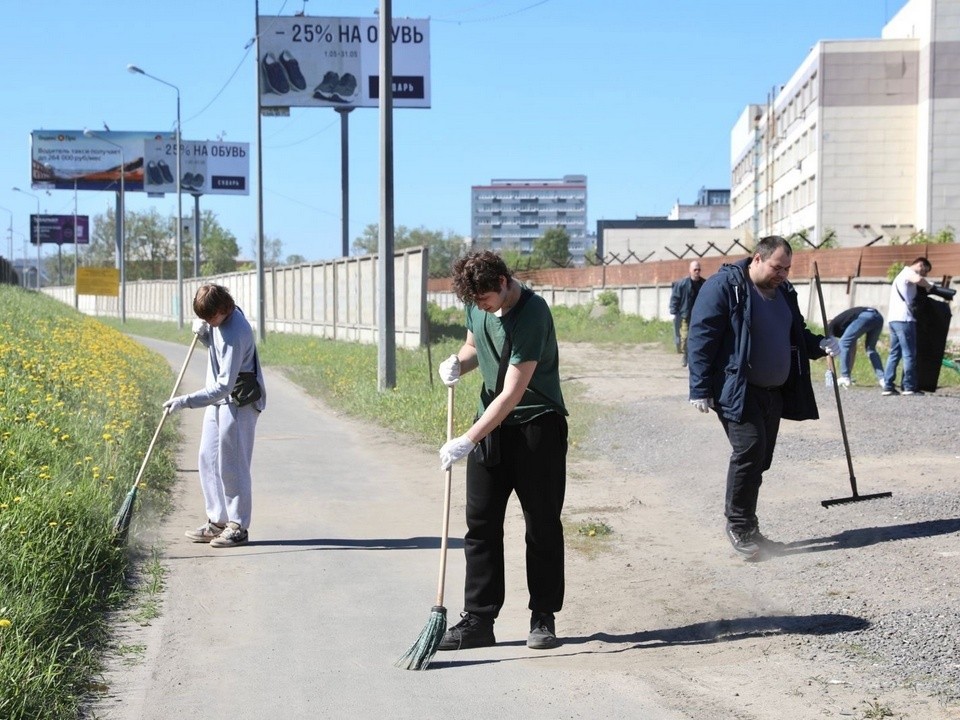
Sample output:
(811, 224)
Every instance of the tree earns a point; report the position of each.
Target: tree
(443, 248)
(295, 259)
(552, 249)
(218, 246)
(272, 250)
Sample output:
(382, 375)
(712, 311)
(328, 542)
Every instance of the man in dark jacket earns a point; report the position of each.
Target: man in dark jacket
(749, 354)
(682, 297)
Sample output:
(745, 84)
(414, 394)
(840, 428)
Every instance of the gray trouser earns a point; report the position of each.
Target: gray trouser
(226, 451)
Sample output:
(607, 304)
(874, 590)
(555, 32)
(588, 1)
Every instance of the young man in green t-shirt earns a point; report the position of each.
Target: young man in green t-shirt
(531, 417)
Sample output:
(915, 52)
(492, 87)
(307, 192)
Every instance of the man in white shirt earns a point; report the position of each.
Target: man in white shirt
(903, 327)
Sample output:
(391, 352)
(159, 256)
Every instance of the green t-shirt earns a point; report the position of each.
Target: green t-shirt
(534, 338)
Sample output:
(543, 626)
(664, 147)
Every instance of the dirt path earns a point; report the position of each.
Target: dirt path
(722, 638)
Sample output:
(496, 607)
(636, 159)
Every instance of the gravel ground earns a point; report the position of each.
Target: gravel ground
(884, 573)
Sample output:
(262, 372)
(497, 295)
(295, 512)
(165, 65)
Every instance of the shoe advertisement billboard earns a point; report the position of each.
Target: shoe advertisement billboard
(335, 62)
(64, 159)
(59, 229)
(206, 168)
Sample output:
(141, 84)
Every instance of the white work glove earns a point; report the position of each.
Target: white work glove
(702, 404)
(175, 403)
(831, 346)
(200, 327)
(449, 371)
(454, 450)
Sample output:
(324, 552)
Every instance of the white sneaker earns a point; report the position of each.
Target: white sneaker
(843, 381)
(232, 536)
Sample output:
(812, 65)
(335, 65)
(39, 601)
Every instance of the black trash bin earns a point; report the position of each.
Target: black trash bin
(933, 322)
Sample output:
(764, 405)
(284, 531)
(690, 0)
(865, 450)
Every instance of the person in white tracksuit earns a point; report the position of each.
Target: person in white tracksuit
(234, 396)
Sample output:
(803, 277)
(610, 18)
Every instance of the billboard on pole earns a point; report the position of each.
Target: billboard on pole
(64, 159)
(59, 229)
(206, 168)
(335, 62)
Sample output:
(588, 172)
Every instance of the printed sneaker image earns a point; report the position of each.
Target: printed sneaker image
(346, 90)
(274, 75)
(325, 90)
(165, 171)
(186, 182)
(337, 88)
(292, 69)
(197, 183)
(154, 176)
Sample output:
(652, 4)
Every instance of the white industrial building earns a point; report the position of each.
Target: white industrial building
(862, 143)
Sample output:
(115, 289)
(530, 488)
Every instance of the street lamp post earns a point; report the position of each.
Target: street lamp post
(134, 69)
(121, 224)
(37, 225)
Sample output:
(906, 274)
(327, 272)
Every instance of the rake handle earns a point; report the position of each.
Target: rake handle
(836, 387)
(448, 481)
(166, 412)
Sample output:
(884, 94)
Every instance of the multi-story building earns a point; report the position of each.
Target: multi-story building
(712, 209)
(512, 214)
(863, 142)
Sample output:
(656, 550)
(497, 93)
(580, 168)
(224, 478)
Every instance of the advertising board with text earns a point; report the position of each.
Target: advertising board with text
(206, 168)
(68, 159)
(98, 281)
(60, 229)
(335, 62)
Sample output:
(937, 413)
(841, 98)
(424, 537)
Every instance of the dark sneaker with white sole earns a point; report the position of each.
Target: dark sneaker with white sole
(473, 631)
(292, 68)
(274, 75)
(165, 171)
(752, 544)
(543, 633)
(346, 89)
(327, 86)
(154, 175)
(232, 536)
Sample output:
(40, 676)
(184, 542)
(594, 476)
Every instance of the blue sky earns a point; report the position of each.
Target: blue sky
(639, 96)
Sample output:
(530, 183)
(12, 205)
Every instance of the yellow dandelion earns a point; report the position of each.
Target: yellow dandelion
(5, 623)
(18, 499)
(52, 523)
(69, 493)
(3, 506)
(107, 437)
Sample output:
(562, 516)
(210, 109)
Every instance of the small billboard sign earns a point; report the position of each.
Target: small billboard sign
(335, 62)
(60, 229)
(68, 159)
(98, 281)
(206, 168)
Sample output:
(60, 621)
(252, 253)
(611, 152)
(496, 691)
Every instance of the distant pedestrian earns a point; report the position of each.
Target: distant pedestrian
(848, 326)
(750, 356)
(234, 396)
(903, 327)
(682, 298)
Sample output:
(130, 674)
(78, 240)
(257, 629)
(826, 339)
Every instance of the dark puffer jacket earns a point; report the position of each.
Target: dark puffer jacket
(719, 347)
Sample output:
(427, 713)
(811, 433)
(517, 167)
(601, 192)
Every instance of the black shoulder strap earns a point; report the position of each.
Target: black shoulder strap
(525, 295)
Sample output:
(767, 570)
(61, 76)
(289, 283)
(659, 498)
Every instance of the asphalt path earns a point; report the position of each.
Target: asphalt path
(336, 583)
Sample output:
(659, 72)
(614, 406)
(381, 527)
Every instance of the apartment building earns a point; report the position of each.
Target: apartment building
(512, 214)
(862, 143)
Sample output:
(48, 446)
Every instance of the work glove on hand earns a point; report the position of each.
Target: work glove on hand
(176, 403)
(449, 371)
(454, 450)
(831, 346)
(702, 404)
(200, 327)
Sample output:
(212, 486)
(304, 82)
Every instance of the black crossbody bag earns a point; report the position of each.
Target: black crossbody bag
(246, 390)
(487, 451)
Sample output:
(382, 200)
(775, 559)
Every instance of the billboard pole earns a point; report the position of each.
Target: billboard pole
(387, 355)
(76, 250)
(344, 180)
(261, 278)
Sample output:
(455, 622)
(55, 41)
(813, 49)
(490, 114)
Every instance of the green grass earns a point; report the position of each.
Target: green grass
(78, 405)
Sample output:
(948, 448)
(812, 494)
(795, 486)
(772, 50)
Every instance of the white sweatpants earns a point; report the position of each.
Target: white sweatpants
(226, 451)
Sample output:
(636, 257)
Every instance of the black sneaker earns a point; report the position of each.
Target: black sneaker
(766, 544)
(744, 542)
(913, 392)
(292, 69)
(473, 631)
(327, 87)
(887, 391)
(274, 75)
(165, 172)
(543, 634)
(154, 176)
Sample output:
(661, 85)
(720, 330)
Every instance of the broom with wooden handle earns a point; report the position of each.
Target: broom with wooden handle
(420, 654)
(121, 523)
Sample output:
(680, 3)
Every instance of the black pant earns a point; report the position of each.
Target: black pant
(752, 440)
(534, 465)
